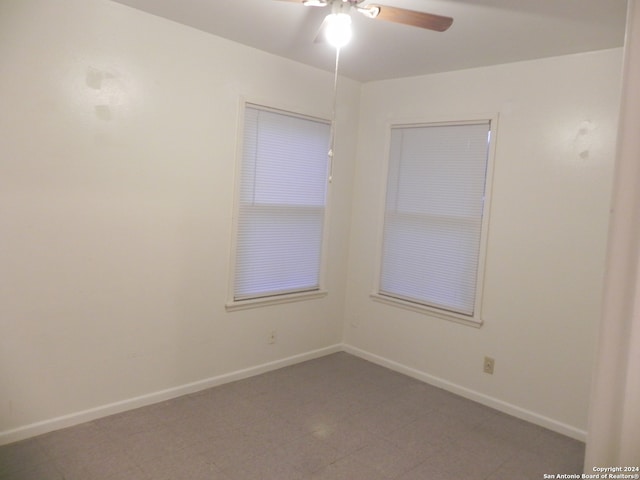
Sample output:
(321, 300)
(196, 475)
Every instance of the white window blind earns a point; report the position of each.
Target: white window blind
(433, 215)
(282, 204)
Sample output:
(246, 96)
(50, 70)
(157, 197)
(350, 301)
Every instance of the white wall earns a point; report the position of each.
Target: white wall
(547, 234)
(117, 155)
(117, 152)
(614, 413)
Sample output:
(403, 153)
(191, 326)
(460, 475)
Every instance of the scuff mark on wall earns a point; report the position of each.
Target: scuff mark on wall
(583, 139)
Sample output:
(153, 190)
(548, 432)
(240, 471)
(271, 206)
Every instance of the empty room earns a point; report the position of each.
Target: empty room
(233, 249)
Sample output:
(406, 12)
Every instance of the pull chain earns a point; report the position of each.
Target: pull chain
(332, 135)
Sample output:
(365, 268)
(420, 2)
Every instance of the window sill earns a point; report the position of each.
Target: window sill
(425, 310)
(234, 305)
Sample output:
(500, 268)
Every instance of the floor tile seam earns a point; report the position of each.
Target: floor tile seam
(493, 472)
(203, 422)
(425, 457)
(540, 433)
(432, 417)
(435, 446)
(514, 441)
(336, 419)
(251, 424)
(196, 419)
(276, 409)
(86, 466)
(228, 469)
(266, 438)
(450, 441)
(377, 434)
(315, 471)
(168, 420)
(514, 453)
(117, 437)
(451, 421)
(437, 438)
(325, 467)
(136, 460)
(361, 462)
(400, 476)
(247, 440)
(150, 468)
(194, 441)
(452, 408)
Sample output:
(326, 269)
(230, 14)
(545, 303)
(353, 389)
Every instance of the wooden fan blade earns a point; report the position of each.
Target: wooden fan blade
(411, 17)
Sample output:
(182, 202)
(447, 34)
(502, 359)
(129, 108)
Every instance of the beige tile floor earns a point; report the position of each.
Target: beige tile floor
(334, 418)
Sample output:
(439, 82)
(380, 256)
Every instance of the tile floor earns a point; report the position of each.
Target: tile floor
(334, 418)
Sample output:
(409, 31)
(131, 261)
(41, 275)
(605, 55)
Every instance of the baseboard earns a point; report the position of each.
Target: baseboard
(495, 403)
(38, 428)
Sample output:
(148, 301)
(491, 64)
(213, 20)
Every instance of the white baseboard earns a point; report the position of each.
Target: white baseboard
(38, 428)
(495, 403)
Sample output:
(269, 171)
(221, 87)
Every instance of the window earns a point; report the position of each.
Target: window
(433, 222)
(281, 204)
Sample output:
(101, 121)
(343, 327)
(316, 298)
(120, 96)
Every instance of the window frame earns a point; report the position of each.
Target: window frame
(477, 319)
(232, 303)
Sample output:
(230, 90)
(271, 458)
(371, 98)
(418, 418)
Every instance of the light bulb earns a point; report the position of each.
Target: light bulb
(338, 29)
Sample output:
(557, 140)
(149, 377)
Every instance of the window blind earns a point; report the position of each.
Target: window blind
(433, 215)
(281, 204)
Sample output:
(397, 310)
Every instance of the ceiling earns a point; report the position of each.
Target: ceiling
(484, 32)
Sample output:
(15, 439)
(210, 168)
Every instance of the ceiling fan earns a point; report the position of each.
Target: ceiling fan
(337, 24)
(336, 29)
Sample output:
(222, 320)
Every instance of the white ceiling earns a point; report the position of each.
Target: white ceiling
(484, 32)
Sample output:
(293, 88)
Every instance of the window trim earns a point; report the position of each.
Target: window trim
(233, 304)
(477, 319)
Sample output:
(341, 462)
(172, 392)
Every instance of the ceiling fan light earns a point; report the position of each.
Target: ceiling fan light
(338, 30)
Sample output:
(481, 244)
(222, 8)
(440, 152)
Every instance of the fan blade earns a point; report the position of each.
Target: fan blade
(411, 17)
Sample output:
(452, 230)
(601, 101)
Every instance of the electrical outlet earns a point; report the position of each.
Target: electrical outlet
(489, 363)
(272, 337)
